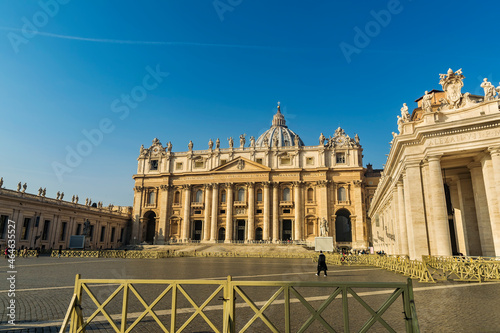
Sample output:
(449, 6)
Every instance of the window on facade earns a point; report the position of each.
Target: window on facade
(78, 229)
(241, 194)
(222, 211)
(151, 198)
(340, 157)
(222, 162)
(26, 228)
(178, 166)
(310, 194)
(286, 194)
(153, 165)
(122, 232)
(103, 229)
(341, 194)
(177, 197)
(91, 233)
(286, 211)
(286, 161)
(259, 160)
(259, 211)
(287, 143)
(309, 160)
(64, 226)
(223, 196)
(113, 234)
(45, 233)
(3, 226)
(199, 164)
(197, 212)
(199, 196)
(259, 195)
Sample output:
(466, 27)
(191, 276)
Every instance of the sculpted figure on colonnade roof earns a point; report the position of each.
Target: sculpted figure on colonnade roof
(190, 145)
(322, 139)
(217, 143)
(427, 101)
(252, 141)
(210, 144)
(242, 140)
(404, 113)
(231, 142)
(489, 90)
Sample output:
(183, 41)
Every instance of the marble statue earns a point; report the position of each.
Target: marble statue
(489, 90)
(217, 143)
(86, 228)
(356, 139)
(25, 186)
(142, 151)
(19, 187)
(86, 201)
(44, 192)
(40, 190)
(210, 144)
(169, 146)
(62, 196)
(1, 182)
(266, 141)
(400, 124)
(427, 101)
(76, 199)
(498, 90)
(276, 141)
(58, 195)
(252, 141)
(73, 198)
(323, 228)
(231, 142)
(322, 139)
(404, 113)
(452, 83)
(190, 145)
(296, 140)
(242, 140)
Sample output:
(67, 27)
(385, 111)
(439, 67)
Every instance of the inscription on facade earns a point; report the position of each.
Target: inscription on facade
(464, 137)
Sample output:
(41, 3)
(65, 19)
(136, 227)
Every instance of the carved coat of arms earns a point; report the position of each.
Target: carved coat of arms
(452, 84)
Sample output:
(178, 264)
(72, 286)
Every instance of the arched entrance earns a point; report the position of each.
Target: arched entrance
(287, 230)
(222, 234)
(198, 225)
(343, 231)
(240, 235)
(258, 234)
(150, 220)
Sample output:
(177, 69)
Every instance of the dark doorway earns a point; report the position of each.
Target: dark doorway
(287, 230)
(240, 225)
(451, 222)
(258, 234)
(198, 225)
(222, 234)
(150, 218)
(343, 231)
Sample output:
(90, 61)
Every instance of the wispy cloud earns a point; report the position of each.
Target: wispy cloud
(141, 42)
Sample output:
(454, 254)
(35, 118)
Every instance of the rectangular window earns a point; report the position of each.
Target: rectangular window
(259, 160)
(340, 157)
(45, 233)
(26, 228)
(178, 166)
(259, 211)
(63, 231)
(121, 235)
(91, 233)
(259, 196)
(285, 161)
(222, 211)
(223, 197)
(309, 160)
(199, 164)
(103, 229)
(222, 162)
(153, 165)
(3, 226)
(197, 212)
(113, 234)
(286, 211)
(78, 229)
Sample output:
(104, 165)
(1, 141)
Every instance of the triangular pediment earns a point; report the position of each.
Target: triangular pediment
(241, 164)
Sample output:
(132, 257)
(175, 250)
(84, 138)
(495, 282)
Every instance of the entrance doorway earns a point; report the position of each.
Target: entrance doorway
(150, 218)
(198, 225)
(258, 234)
(287, 230)
(343, 231)
(240, 229)
(222, 234)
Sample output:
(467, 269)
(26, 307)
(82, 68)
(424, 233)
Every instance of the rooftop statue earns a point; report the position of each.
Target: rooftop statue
(405, 114)
(19, 187)
(252, 141)
(1, 182)
(169, 146)
(427, 101)
(190, 145)
(322, 139)
(217, 143)
(231, 142)
(210, 144)
(489, 90)
(242, 140)
(452, 83)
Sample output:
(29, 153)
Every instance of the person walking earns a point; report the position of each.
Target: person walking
(322, 263)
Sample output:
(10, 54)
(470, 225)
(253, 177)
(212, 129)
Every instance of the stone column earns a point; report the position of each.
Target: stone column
(276, 206)
(359, 234)
(322, 191)
(215, 212)
(299, 221)
(229, 213)
(403, 233)
(495, 160)
(467, 211)
(136, 224)
(266, 212)
(251, 212)
(492, 197)
(439, 225)
(482, 213)
(187, 213)
(163, 232)
(418, 240)
(207, 206)
(395, 222)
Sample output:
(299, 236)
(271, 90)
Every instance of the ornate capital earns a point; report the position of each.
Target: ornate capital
(322, 183)
(358, 183)
(165, 187)
(215, 186)
(186, 187)
(250, 184)
(494, 151)
(266, 184)
(297, 183)
(138, 188)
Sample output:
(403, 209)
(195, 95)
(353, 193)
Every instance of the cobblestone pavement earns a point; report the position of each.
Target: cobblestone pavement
(44, 287)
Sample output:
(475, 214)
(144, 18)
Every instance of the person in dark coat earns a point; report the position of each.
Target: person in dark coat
(322, 263)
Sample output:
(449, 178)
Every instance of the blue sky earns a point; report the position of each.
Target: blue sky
(228, 63)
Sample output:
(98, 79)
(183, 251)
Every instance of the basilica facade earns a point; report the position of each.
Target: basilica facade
(440, 189)
(271, 189)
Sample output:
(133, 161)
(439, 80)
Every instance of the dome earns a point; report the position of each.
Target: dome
(279, 131)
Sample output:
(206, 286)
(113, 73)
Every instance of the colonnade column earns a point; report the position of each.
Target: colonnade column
(215, 206)
(415, 206)
(395, 221)
(359, 239)
(208, 207)
(136, 234)
(468, 216)
(322, 187)
(495, 160)
(229, 213)
(439, 225)
(266, 211)
(163, 232)
(187, 212)
(299, 221)
(482, 213)
(275, 212)
(251, 211)
(492, 197)
(403, 233)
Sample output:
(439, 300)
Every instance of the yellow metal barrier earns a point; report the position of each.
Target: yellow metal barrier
(119, 318)
(458, 268)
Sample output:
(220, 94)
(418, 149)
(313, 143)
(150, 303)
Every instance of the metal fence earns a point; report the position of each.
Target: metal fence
(169, 314)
